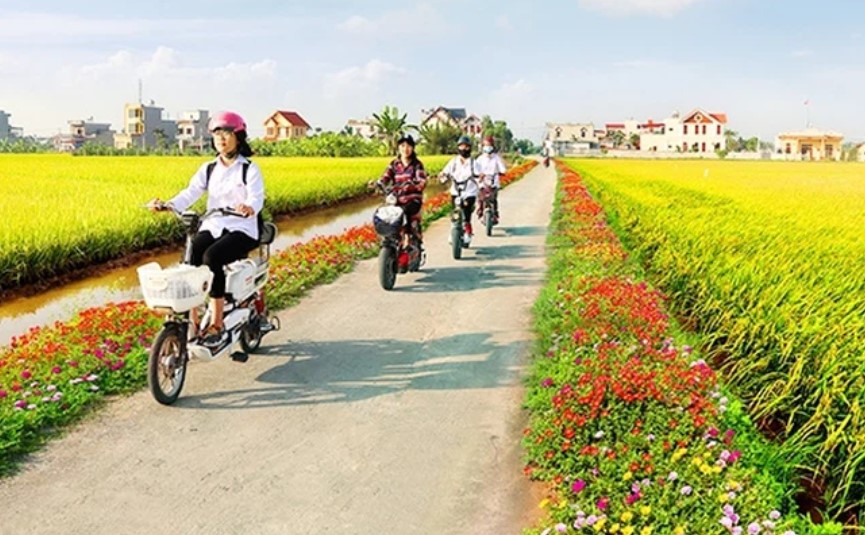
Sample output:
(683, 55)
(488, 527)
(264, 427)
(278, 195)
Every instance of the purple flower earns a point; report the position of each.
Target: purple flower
(672, 476)
(726, 522)
(774, 515)
(686, 490)
(561, 528)
(754, 528)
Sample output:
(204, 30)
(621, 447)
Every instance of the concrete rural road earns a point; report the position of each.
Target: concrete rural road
(370, 412)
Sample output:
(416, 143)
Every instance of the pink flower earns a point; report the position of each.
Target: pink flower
(73, 363)
(26, 374)
(3, 394)
(603, 503)
(56, 369)
(578, 486)
(548, 382)
(20, 404)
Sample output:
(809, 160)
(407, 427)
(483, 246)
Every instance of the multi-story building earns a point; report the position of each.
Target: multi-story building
(82, 132)
(5, 127)
(468, 124)
(285, 125)
(571, 138)
(192, 130)
(698, 131)
(145, 127)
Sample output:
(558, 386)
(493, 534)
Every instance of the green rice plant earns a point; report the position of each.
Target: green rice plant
(764, 258)
(62, 213)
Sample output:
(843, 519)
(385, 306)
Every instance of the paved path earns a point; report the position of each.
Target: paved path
(371, 412)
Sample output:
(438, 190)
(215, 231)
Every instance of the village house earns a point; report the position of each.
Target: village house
(145, 126)
(698, 132)
(468, 124)
(285, 125)
(572, 138)
(364, 128)
(82, 132)
(810, 144)
(192, 130)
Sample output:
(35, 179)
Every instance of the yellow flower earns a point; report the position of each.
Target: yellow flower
(626, 516)
(679, 530)
(697, 461)
(679, 453)
(599, 525)
(723, 497)
(706, 469)
(645, 510)
(716, 469)
(615, 528)
(627, 530)
(545, 502)
(734, 485)
(627, 476)
(646, 530)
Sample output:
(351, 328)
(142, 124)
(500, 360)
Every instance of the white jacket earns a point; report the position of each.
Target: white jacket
(226, 190)
(491, 165)
(462, 170)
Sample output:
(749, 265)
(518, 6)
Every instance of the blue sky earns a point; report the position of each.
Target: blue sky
(525, 62)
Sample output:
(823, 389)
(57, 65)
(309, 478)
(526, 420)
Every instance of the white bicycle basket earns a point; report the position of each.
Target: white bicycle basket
(179, 288)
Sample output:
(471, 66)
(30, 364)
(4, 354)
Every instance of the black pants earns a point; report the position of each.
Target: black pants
(412, 217)
(216, 253)
(468, 207)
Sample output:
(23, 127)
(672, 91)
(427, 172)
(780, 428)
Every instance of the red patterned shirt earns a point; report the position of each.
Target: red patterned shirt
(408, 181)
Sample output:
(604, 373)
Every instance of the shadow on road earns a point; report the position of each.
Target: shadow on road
(524, 231)
(469, 278)
(352, 370)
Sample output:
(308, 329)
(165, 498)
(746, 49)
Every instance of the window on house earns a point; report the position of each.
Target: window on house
(270, 131)
(704, 131)
(703, 146)
(787, 148)
(685, 129)
(719, 130)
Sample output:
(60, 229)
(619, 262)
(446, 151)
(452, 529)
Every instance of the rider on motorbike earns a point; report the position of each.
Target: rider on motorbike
(490, 168)
(407, 176)
(231, 180)
(463, 169)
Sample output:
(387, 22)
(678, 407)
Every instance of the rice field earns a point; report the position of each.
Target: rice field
(765, 259)
(61, 212)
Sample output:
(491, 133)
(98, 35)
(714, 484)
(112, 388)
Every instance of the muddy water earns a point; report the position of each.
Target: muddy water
(60, 303)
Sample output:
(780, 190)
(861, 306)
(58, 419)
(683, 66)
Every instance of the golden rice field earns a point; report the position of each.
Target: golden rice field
(767, 259)
(61, 212)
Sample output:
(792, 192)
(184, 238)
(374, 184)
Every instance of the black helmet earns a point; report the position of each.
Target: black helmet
(405, 138)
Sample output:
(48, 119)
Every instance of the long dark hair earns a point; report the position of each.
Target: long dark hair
(243, 147)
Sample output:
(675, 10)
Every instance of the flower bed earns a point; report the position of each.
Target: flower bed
(50, 376)
(630, 427)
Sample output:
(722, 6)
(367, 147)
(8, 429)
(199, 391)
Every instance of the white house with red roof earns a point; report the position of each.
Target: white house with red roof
(697, 131)
(285, 125)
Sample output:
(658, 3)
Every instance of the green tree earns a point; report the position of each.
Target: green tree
(501, 133)
(525, 146)
(731, 142)
(618, 138)
(389, 124)
(439, 139)
(634, 141)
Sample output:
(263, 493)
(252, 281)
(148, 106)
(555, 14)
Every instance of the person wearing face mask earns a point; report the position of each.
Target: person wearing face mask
(490, 168)
(463, 169)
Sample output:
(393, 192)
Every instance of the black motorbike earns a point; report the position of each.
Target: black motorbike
(401, 250)
(459, 236)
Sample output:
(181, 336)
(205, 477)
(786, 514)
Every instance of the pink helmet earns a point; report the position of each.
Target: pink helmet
(228, 120)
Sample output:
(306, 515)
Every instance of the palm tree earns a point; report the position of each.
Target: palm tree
(440, 138)
(389, 125)
(730, 140)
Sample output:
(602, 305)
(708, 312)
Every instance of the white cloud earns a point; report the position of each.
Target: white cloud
(420, 19)
(802, 53)
(360, 79)
(664, 8)
(504, 23)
